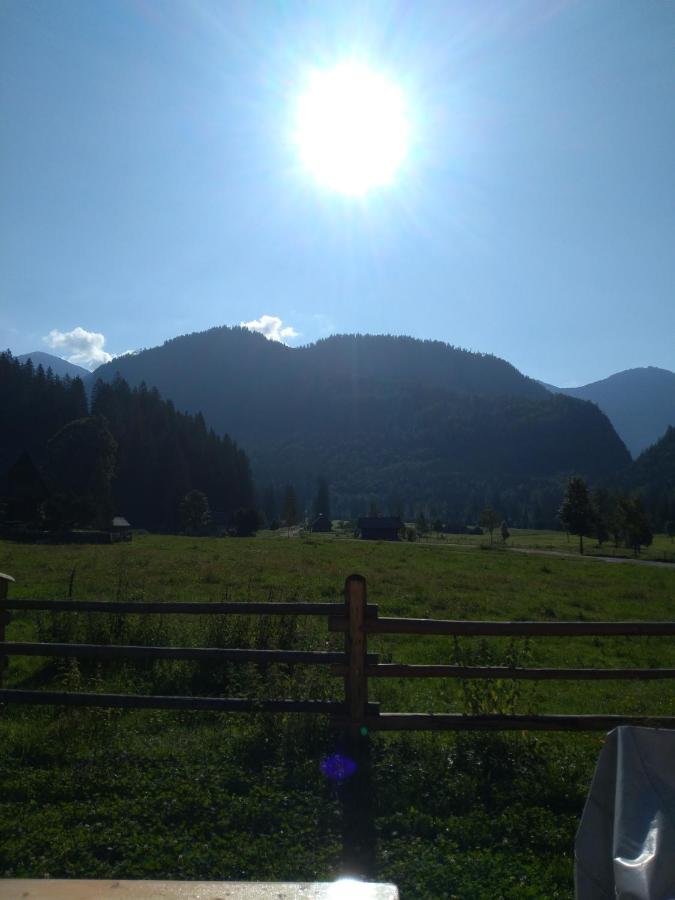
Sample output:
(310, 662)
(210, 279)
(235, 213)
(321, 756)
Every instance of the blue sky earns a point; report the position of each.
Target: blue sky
(150, 186)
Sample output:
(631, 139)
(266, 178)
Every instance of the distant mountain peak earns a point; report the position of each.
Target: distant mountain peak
(60, 367)
(640, 403)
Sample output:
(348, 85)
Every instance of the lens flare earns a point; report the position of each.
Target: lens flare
(351, 128)
(338, 767)
(351, 889)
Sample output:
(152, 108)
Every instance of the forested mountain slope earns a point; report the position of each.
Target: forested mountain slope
(406, 421)
(33, 406)
(639, 402)
(161, 453)
(653, 475)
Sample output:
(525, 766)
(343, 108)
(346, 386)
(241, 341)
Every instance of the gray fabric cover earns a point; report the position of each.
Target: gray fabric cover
(625, 846)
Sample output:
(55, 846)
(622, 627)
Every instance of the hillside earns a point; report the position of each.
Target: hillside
(405, 421)
(640, 403)
(653, 474)
(161, 454)
(60, 367)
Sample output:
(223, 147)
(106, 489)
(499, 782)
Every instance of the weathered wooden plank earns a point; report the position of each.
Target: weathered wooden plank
(78, 889)
(458, 722)
(506, 629)
(212, 654)
(356, 694)
(396, 670)
(179, 607)
(209, 704)
(4, 619)
(137, 701)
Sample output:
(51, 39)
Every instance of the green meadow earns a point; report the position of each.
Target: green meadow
(662, 548)
(109, 793)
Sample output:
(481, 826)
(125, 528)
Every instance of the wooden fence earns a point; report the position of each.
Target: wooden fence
(356, 619)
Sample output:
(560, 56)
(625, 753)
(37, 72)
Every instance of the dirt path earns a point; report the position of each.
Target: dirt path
(609, 559)
(535, 551)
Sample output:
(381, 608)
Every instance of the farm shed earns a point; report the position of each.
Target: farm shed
(380, 528)
(322, 524)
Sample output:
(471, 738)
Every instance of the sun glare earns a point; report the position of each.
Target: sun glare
(351, 128)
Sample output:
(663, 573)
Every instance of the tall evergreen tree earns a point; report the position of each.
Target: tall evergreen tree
(164, 454)
(635, 522)
(489, 520)
(604, 510)
(322, 499)
(270, 507)
(194, 512)
(290, 511)
(37, 404)
(576, 511)
(80, 466)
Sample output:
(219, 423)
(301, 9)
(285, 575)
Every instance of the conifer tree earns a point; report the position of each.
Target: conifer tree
(636, 528)
(290, 511)
(322, 499)
(488, 520)
(576, 511)
(80, 465)
(270, 505)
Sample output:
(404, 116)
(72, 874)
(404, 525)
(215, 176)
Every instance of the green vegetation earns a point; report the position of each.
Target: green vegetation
(653, 475)
(409, 423)
(576, 512)
(135, 456)
(105, 793)
(522, 539)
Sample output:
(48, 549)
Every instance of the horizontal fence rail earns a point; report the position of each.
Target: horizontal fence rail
(171, 607)
(138, 701)
(212, 654)
(464, 628)
(397, 670)
(496, 722)
(356, 619)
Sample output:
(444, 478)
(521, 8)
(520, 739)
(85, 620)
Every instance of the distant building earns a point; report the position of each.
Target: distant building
(454, 528)
(322, 524)
(119, 525)
(380, 528)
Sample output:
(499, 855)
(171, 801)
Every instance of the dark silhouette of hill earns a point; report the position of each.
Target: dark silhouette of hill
(653, 475)
(34, 404)
(393, 417)
(161, 453)
(60, 367)
(639, 402)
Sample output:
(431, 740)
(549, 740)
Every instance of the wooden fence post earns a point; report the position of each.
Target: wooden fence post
(4, 619)
(356, 682)
(359, 839)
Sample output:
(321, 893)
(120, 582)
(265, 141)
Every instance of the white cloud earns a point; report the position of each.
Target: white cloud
(272, 327)
(84, 348)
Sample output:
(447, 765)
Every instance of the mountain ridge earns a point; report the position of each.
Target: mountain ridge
(57, 364)
(640, 403)
(383, 416)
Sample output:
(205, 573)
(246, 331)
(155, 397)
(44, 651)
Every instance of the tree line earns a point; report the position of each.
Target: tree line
(605, 515)
(127, 451)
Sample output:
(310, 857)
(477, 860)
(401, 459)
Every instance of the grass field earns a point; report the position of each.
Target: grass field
(662, 548)
(104, 793)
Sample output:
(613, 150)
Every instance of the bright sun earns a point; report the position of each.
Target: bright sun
(351, 128)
